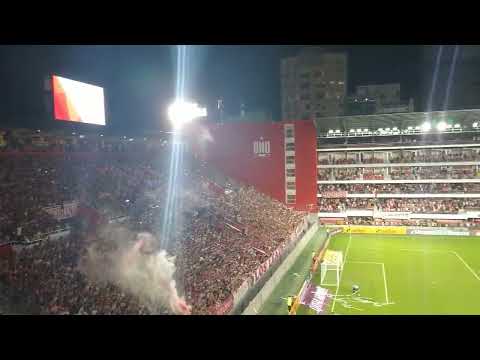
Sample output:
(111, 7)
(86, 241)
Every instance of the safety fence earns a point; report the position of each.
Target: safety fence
(239, 299)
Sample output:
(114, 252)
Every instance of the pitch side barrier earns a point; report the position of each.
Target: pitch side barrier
(407, 230)
(319, 255)
(267, 287)
(241, 298)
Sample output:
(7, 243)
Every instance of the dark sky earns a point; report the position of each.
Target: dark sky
(139, 81)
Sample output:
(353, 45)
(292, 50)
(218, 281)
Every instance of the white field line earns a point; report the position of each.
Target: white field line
(384, 274)
(447, 252)
(425, 251)
(348, 248)
(385, 282)
(466, 265)
(341, 274)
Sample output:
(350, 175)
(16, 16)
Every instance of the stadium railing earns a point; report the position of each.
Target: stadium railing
(259, 293)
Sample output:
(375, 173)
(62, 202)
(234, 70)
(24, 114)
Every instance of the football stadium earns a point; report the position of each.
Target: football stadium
(375, 214)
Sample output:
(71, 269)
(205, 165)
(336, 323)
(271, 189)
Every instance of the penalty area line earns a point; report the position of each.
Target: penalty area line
(341, 274)
(466, 265)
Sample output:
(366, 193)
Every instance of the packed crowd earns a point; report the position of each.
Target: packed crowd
(413, 205)
(400, 173)
(340, 205)
(222, 233)
(395, 157)
(433, 206)
(46, 280)
(389, 188)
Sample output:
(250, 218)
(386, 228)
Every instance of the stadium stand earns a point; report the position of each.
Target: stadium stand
(52, 191)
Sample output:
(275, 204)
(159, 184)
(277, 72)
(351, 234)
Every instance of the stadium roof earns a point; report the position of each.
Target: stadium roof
(401, 120)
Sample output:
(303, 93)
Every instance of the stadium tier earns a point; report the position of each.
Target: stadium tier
(72, 205)
(64, 201)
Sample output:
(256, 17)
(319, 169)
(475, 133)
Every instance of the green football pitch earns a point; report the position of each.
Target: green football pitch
(397, 275)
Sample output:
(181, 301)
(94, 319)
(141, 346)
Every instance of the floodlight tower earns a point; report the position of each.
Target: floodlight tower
(180, 113)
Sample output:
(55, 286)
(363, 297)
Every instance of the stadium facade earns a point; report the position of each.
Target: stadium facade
(286, 159)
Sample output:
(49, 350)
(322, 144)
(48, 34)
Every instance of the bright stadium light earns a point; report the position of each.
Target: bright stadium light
(449, 126)
(456, 126)
(426, 126)
(330, 131)
(337, 131)
(442, 126)
(410, 128)
(359, 130)
(365, 130)
(475, 124)
(352, 130)
(182, 112)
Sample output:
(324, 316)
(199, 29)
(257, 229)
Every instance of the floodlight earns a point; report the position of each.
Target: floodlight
(426, 126)
(182, 112)
(441, 126)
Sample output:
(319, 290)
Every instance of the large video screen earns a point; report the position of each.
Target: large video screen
(78, 101)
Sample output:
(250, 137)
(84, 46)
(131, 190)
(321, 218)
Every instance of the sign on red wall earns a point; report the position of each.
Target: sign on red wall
(254, 153)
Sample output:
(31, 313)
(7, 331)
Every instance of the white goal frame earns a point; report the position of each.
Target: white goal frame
(332, 261)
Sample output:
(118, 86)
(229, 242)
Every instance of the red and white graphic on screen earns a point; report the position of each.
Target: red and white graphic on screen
(261, 147)
(77, 101)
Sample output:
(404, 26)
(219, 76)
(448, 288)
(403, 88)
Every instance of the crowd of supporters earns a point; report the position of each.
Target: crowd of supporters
(391, 188)
(342, 204)
(420, 156)
(222, 233)
(414, 205)
(400, 173)
(46, 280)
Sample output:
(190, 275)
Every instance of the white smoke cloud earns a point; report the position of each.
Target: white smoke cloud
(132, 262)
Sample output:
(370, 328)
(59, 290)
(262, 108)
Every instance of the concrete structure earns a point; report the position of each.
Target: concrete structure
(313, 84)
(377, 99)
(385, 93)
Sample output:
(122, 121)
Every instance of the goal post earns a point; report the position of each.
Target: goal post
(331, 268)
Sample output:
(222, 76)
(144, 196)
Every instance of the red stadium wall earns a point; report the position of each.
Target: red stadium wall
(230, 147)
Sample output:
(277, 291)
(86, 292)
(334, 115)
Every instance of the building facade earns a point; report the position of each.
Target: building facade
(313, 84)
(377, 99)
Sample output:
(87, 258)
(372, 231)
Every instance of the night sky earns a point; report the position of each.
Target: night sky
(139, 81)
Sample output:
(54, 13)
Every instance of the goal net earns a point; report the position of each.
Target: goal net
(331, 267)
